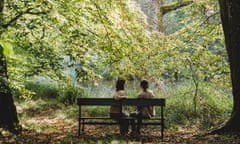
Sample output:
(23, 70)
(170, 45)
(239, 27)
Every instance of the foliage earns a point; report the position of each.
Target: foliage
(69, 94)
(105, 39)
(43, 89)
(78, 43)
(213, 106)
(49, 89)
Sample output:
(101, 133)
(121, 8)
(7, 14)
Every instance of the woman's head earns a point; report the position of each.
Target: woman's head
(120, 84)
(144, 85)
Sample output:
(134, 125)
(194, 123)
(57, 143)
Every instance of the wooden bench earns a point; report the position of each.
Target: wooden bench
(82, 121)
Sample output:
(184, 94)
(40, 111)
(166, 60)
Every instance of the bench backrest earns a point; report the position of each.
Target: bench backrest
(126, 102)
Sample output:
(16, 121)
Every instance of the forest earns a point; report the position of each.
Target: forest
(54, 52)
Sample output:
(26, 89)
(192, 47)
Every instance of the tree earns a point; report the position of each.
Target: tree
(230, 14)
(8, 113)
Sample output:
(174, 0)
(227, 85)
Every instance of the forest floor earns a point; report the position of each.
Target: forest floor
(45, 128)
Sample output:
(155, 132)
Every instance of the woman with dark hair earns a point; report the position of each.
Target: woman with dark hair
(117, 112)
(143, 112)
(148, 111)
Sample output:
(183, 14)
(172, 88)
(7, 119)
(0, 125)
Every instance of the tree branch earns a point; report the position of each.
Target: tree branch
(173, 6)
(1, 5)
(27, 11)
(1, 11)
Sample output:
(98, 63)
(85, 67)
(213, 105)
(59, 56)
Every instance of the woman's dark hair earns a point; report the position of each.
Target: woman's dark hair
(120, 84)
(144, 84)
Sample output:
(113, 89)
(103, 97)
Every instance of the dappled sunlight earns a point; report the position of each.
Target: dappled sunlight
(54, 52)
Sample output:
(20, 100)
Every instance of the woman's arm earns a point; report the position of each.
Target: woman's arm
(119, 95)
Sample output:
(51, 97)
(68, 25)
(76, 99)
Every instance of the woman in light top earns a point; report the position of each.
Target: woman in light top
(147, 111)
(143, 111)
(117, 112)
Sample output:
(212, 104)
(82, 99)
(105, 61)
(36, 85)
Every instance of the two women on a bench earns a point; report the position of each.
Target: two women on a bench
(118, 113)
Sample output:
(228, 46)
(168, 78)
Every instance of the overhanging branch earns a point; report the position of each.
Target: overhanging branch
(173, 6)
(27, 11)
(1, 5)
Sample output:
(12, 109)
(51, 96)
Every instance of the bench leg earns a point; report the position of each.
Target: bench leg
(79, 119)
(162, 132)
(79, 127)
(162, 122)
(83, 121)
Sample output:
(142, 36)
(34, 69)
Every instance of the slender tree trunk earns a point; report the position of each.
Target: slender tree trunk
(160, 17)
(154, 18)
(8, 113)
(230, 14)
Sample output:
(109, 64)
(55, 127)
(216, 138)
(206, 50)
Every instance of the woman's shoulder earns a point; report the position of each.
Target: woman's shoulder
(146, 94)
(121, 92)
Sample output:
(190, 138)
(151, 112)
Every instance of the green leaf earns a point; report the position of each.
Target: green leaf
(7, 48)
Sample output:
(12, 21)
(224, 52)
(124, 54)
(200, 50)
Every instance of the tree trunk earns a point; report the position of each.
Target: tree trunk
(230, 13)
(154, 18)
(8, 113)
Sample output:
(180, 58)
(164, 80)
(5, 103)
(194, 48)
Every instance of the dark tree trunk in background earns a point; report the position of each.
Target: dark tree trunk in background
(8, 113)
(230, 15)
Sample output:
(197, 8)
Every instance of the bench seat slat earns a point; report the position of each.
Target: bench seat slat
(114, 123)
(109, 118)
(124, 102)
(101, 123)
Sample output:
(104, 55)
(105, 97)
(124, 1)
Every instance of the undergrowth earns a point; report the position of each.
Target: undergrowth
(213, 105)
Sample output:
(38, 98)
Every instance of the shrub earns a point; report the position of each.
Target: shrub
(213, 105)
(42, 89)
(69, 94)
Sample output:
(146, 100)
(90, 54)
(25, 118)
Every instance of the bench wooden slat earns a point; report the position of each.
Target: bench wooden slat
(101, 123)
(97, 101)
(110, 121)
(124, 102)
(106, 118)
(114, 123)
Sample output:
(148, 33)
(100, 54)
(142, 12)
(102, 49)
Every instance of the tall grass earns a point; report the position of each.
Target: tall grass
(213, 105)
(66, 94)
(43, 89)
